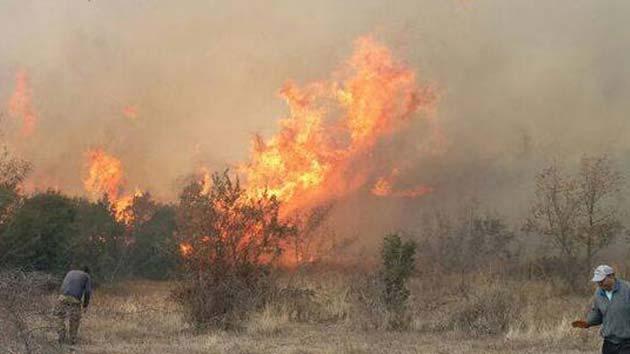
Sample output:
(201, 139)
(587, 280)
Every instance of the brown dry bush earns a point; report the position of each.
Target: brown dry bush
(298, 304)
(223, 302)
(489, 310)
(25, 315)
(368, 310)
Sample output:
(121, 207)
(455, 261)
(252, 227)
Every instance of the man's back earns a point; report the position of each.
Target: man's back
(76, 284)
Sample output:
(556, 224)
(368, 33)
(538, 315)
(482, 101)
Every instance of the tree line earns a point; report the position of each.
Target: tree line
(576, 213)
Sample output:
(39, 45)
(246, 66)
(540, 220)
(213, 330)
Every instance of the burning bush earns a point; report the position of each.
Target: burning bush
(228, 242)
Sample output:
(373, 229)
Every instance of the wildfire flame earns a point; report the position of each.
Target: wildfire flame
(384, 187)
(324, 146)
(105, 176)
(185, 249)
(120, 207)
(20, 105)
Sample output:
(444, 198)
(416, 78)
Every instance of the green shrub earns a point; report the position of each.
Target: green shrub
(398, 265)
(379, 300)
(38, 236)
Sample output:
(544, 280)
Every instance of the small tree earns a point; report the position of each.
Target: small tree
(554, 215)
(577, 212)
(599, 183)
(398, 265)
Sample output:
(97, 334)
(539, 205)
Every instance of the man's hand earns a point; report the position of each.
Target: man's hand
(579, 324)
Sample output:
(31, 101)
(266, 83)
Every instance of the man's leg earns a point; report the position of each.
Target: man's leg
(75, 319)
(60, 312)
(610, 348)
(624, 348)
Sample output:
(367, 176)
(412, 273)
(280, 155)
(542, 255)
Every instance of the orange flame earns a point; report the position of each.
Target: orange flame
(384, 187)
(185, 249)
(322, 150)
(20, 105)
(120, 207)
(105, 174)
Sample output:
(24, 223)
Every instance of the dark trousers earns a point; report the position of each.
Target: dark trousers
(612, 348)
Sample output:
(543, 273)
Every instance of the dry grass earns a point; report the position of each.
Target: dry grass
(139, 318)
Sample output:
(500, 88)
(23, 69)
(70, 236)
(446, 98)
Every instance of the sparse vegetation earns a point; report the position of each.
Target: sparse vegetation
(221, 245)
(25, 312)
(139, 317)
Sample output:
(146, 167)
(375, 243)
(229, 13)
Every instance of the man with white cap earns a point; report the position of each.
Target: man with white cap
(611, 309)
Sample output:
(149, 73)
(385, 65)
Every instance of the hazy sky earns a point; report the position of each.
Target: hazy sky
(520, 82)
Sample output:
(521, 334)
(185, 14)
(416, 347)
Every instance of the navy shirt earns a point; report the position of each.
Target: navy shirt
(77, 284)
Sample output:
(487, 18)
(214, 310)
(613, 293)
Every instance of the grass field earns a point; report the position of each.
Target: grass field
(139, 318)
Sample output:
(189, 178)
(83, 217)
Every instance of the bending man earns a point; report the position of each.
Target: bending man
(76, 290)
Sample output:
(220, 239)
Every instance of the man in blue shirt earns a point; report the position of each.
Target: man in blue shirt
(76, 291)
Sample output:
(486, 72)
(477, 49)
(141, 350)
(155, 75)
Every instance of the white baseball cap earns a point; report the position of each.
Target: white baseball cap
(601, 272)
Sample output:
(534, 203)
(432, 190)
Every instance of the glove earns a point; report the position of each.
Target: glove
(579, 324)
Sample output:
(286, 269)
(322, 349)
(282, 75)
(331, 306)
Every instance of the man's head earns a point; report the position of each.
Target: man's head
(86, 269)
(604, 276)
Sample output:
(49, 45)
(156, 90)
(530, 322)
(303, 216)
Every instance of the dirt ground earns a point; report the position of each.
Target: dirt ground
(139, 318)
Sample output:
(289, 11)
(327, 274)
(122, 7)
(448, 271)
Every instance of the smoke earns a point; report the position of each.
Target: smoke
(168, 87)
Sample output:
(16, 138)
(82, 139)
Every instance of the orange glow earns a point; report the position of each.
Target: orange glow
(185, 249)
(206, 180)
(130, 112)
(382, 188)
(323, 147)
(20, 105)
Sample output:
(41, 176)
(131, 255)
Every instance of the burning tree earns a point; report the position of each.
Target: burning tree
(228, 240)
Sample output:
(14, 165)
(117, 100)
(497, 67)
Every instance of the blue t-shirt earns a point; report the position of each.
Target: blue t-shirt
(77, 283)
